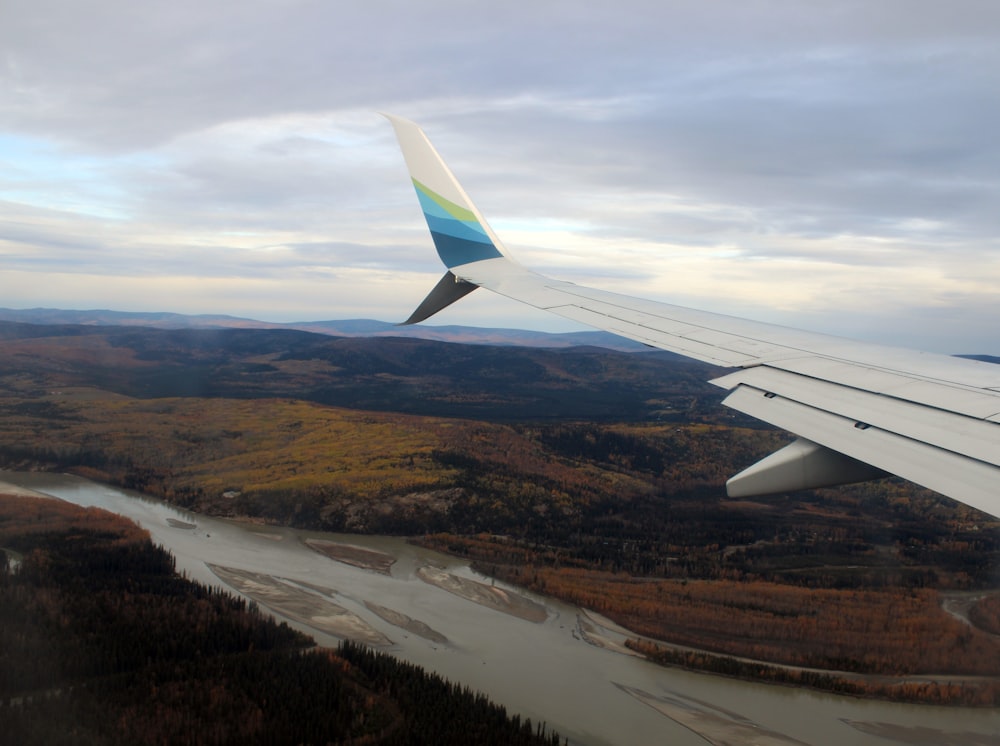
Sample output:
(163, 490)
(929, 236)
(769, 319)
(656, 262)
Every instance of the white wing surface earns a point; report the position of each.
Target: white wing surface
(860, 411)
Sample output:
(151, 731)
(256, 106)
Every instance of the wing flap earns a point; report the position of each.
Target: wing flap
(947, 391)
(935, 468)
(976, 438)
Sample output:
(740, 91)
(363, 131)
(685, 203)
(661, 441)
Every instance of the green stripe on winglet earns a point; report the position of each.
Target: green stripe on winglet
(456, 211)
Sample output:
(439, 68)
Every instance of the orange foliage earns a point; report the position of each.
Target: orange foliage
(873, 631)
(28, 516)
(986, 614)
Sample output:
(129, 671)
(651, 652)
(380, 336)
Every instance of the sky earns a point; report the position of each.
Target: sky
(833, 166)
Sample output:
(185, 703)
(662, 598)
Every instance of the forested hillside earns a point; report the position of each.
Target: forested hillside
(385, 374)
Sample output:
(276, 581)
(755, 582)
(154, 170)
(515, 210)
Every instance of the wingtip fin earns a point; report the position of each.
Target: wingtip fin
(448, 290)
(461, 234)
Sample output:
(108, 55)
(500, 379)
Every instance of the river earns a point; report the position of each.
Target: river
(548, 671)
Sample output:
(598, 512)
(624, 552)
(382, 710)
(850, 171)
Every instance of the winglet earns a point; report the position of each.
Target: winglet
(460, 233)
(448, 290)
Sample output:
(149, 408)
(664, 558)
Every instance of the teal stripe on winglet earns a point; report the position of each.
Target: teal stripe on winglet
(456, 251)
(458, 235)
(432, 207)
(457, 228)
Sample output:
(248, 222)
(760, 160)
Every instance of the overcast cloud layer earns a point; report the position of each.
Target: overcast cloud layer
(826, 165)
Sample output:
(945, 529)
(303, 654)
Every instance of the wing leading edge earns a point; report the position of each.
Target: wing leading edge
(860, 411)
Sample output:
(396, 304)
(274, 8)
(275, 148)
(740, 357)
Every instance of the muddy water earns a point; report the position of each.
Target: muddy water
(547, 670)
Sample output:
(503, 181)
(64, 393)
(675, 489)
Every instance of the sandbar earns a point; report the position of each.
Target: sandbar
(267, 535)
(401, 620)
(351, 554)
(485, 595)
(592, 629)
(920, 735)
(300, 603)
(716, 725)
(13, 490)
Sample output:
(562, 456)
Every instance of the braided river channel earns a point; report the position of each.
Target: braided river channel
(547, 660)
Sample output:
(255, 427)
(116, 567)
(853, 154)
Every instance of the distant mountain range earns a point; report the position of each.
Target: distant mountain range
(376, 373)
(342, 328)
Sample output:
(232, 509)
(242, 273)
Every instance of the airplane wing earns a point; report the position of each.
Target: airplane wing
(860, 411)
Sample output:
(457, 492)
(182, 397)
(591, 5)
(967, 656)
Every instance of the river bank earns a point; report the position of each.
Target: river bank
(544, 670)
(313, 606)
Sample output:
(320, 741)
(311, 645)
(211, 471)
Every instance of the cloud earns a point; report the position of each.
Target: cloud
(790, 161)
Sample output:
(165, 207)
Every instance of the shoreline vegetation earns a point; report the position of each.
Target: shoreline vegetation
(602, 623)
(970, 689)
(104, 643)
(932, 632)
(894, 645)
(377, 698)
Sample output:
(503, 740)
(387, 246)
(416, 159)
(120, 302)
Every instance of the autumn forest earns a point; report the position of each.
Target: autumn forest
(590, 475)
